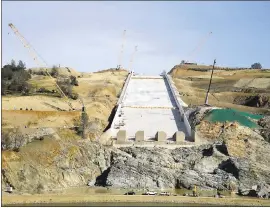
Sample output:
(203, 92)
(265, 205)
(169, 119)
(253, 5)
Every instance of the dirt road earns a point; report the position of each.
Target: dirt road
(101, 198)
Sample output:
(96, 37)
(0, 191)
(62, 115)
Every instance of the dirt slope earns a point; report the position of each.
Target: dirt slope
(99, 92)
(192, 83)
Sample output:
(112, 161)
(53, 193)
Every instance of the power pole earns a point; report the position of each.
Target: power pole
(206, 98)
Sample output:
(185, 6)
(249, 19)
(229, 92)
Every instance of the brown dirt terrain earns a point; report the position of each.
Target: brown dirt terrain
(50, 162)
(192, 83)
(35, 119)
(99, 92)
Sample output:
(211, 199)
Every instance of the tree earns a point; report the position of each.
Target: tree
(4, 87)
(74, 81)
(12, 140)
(84, 124)
(7, 72)
(55, 71)
(256, 66)
(65, 86)
(6, 141)
(18, 139)
(14, 78)
(21, 65)
(25, 88)
(183, 62)
(13, 63)
(75, 96)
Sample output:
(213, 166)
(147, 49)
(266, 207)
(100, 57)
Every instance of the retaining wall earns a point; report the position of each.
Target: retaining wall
(181, 110)
(123, 93)
(119, 102)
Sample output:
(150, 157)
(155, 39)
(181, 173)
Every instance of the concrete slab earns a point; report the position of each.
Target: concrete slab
(148, 105)
(147, 92)
(151, 121)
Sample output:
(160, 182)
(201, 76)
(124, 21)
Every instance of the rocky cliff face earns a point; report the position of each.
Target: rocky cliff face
(58, 161)
(213, 166)
(265, 124)
(261, 100)
(237, 160)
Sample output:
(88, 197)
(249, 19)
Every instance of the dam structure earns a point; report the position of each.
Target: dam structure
(150, 111)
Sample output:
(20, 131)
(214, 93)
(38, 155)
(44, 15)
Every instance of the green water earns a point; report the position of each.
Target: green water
(232, 115)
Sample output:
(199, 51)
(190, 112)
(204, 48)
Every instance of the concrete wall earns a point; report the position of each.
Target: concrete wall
(123, 93)
(119, 102)
(181, 110)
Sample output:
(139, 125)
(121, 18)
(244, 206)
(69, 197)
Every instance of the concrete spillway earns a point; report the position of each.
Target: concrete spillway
(148, 105)
(148, 93)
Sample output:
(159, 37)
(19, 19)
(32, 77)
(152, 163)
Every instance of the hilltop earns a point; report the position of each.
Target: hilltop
(242, 89)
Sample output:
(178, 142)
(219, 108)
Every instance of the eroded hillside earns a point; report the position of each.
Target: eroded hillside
(247, 90)
(52, 155)
(99, 92)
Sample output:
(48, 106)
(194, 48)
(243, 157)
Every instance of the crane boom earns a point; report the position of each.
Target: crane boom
(33, 54)
(132, 57)
(199, 46)
(121, 51)
(26, 44)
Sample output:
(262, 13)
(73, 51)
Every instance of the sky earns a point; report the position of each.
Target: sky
(87, 36)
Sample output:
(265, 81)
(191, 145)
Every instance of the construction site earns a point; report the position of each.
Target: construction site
(146, 104)
(124, 130)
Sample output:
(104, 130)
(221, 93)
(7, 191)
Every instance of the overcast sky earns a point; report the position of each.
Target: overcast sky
(87, 35)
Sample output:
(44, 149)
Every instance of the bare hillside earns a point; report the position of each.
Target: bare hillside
(227, 86)
(99, 92)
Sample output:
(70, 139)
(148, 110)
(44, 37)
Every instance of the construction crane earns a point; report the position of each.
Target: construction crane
(198, 47)
(132, 58)
(36, 57)
(121, 51)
